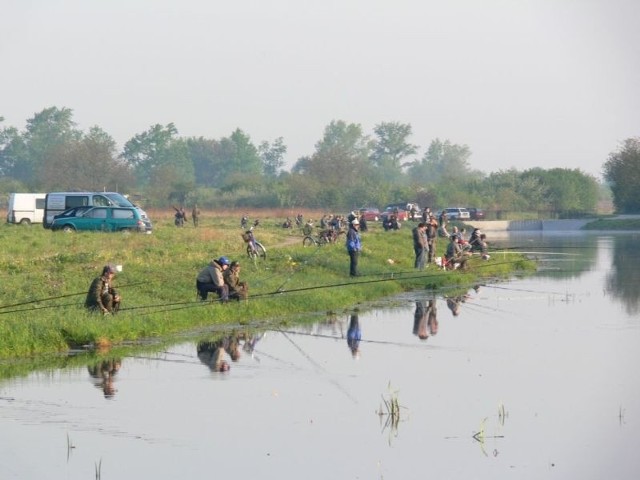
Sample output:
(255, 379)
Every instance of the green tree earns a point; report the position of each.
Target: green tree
(443, 161)
(159, 148)
(26, 154)
(391, 147)
(90, 163)
(567, 190)
(339, 164)
(12, 149)
(622, 171)
(272, 156)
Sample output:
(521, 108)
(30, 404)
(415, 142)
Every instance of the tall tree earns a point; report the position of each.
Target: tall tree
(339, 164)
(443, 161)
(391, 147)
(159, 148)
(90, 163)
(272, 156)
(12, 149)
(25, 155)
(622, 170)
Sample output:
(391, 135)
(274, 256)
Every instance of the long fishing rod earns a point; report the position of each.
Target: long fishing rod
(392, 276)
(62, 296)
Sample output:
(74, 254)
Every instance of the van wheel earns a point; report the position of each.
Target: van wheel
(68, 229)
(25, 221)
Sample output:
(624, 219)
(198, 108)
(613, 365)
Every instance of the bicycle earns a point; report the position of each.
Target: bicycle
(255, 249)
(324, 237)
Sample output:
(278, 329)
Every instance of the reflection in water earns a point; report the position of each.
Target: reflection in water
(559, 256)
(425, 320)
(213, 352)
(623, 280)
(103, 374)
(354, 335)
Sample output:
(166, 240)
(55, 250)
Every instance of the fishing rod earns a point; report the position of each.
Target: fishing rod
(393, 276)
(62, 296)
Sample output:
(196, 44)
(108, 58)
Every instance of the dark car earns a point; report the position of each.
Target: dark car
(476, 213)
(103, 219)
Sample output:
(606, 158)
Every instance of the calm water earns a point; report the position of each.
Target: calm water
(531, 379)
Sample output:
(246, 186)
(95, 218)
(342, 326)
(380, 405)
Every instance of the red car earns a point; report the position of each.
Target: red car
(370, 214)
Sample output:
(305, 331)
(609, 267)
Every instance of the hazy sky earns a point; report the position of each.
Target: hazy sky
(523, 83)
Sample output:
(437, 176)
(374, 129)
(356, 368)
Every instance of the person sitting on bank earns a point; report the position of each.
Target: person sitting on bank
(102, 297)
(455, 254)
(210, 279)
(238, 290)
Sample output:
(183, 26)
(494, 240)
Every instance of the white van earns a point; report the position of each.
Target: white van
(57, 202)
(26, 208)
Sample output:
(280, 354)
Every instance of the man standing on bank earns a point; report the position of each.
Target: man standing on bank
(420, 245)
(354, 247)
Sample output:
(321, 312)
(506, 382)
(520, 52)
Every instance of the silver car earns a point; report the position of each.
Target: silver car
(457, 213)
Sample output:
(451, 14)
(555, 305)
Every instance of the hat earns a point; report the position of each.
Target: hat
(234, 264)
(355, 222)
(108, 269)
(223, 261)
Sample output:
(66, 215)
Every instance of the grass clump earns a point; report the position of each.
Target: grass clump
(45, 276)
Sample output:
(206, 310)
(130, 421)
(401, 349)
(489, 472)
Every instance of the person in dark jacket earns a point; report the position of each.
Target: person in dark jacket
(210, 279)
(238, 289)
(354, 247)
(420, 245)
(102, 297)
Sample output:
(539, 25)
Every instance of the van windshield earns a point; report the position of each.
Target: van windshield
(117, 200)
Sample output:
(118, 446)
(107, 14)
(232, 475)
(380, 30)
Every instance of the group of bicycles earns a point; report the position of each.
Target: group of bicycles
(256, 250)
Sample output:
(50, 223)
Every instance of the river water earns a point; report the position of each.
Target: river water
(532, 378)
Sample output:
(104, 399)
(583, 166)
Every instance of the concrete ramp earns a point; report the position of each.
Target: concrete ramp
(529, 225)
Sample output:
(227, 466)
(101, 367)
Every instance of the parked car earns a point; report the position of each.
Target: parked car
(58, 202)
(401, 214)
(102, 219)
(456, 213)
(476, 213)
(370, 214)
(403, 211)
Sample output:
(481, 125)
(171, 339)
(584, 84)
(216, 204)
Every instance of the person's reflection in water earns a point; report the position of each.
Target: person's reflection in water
(213, 354)
(420, 320)
(454, 303)
(432, 315)
(250, 342)
(104, 372)
(354, 335)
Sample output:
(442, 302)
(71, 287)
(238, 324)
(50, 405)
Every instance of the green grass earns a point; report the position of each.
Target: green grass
(45, 275)
(612, 224)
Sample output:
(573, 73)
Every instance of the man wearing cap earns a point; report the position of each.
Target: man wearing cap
(354, 247)
(210, 279)
(102, 297)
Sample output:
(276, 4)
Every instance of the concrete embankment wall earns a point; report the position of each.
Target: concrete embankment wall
(529, 225)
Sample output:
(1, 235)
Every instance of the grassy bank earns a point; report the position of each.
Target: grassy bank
(626, 224)
(45, 276)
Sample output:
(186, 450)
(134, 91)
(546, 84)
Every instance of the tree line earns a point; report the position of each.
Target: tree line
(348, 168)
